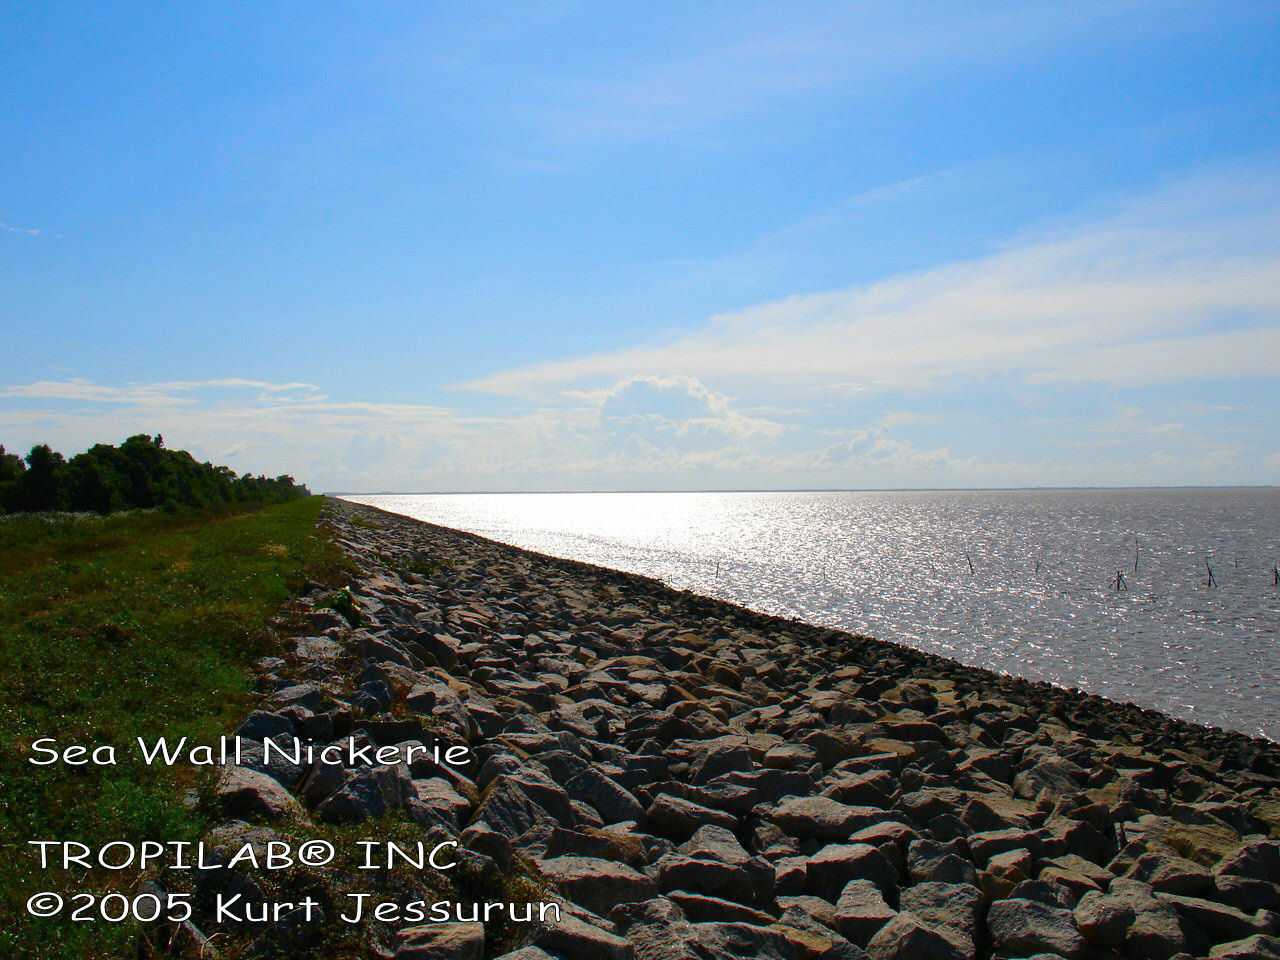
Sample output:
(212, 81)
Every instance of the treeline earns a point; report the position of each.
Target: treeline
(140, 473)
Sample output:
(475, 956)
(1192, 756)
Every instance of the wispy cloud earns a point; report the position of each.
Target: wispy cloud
(1063, 333)
(1178, 286)
(698, 78)
(164, 393)
(26, 231)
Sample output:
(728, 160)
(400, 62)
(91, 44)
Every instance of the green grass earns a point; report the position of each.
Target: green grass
(111, 628)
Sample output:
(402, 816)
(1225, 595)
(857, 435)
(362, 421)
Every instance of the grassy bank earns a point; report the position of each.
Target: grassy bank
(112, 628)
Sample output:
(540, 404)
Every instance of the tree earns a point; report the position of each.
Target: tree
(140, 473)
(90, 487)
(11, 470)
(44, 484)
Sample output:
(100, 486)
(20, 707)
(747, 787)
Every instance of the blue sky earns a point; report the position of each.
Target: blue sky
(613, 246)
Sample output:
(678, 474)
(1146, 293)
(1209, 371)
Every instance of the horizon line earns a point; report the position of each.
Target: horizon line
(436, 493)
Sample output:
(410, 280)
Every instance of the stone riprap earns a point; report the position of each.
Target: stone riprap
(694, 780)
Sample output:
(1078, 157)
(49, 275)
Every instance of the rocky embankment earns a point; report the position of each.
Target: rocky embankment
(694, 780)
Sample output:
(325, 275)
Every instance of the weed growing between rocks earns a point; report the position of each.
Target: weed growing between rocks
(341, 602)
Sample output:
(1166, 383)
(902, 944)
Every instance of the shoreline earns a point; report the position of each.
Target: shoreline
(685, 778)
(1012, 682)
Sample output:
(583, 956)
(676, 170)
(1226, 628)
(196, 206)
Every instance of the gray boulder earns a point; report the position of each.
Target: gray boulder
(1104, 920)
(599, 885)
(907, 937)
(249, 795)
(572, 938)
(953, 909)
(861, 911)
(441, 941)
(1024, 927)
(830, 870)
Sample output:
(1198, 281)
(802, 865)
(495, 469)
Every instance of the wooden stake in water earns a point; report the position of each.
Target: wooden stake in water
(1135, 553)
(1118, 583)
(1212, 582)
(966, 556)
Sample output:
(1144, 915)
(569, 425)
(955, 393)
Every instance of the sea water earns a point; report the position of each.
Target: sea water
(1024, 582)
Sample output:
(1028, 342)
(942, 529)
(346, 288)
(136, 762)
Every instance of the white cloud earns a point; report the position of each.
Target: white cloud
(954, 376)
(680, 406)
(1182, 285)
(28, 231)
(161, 394)
(695, 81)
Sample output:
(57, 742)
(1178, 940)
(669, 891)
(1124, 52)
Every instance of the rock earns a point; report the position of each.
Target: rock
(1053, 778)
(1257, 947)
(368, 793)
(952, 909)
(721, 757)
(815, 907)
(830, 869)
(1245, 893)
(438, 793)
(507, 809)
(929, 860)
(873, 789)
(789, 756)
(677, 818)
(261, 724)
(830, 746)
(598, 885)
(441, 941)
(1104, 920)
(572, 938)
(438, 700)
(279, 766)
(731, 941)
(547, 794)
(1012, 865)
(713, 877)
(1044, 891)
(1170, 874)
(907, 937)
(659, 930)
(612, 801)
(1156, 932)
(1220, 921)
(715, 863)
(1205, 844)
(821, 818)
(785, 760)
(984, 846)
(704, 909)
(790, 875)
(1024, 927)
(811, 940)
(1259, 860)
(480, 839)
(861, 911)
(249, 795)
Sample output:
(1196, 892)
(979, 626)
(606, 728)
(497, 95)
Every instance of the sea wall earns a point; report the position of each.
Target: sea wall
(686, 778)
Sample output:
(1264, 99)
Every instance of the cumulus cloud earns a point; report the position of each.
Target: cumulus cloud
(678, 407)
